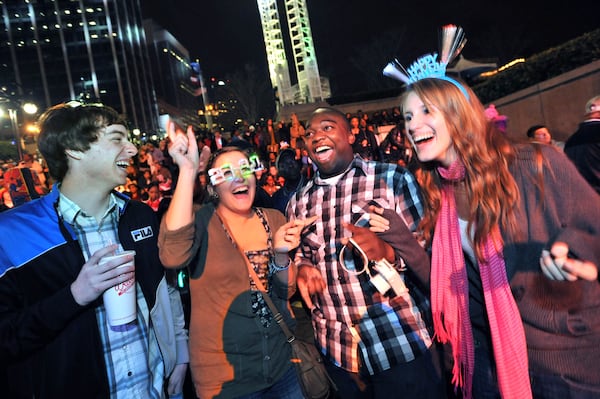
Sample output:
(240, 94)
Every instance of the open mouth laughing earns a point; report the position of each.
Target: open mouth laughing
(422, 138)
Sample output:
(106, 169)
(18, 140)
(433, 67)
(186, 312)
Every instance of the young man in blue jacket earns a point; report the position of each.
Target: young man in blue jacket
(56, 342)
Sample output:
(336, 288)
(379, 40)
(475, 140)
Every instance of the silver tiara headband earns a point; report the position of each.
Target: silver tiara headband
(451, 42)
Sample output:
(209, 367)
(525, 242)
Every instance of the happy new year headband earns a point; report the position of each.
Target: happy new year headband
(451, 41)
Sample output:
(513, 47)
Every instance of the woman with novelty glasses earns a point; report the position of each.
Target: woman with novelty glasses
(237, 349)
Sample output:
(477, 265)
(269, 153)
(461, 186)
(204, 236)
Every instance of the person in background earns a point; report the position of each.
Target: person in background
(201, 195)
(514, 233)
(377, 344)
(282, 134)
(204, 151)
(154, 196)
(133, 175)
(218, 141)
(296, 129)
(239, 140)
(498, 120)
(395, 148)
(5, 200)
(262, 199)
(583, 147)
(156, 158)
(237, 348)
(134, 192)
(270, 184)
(290, 168)
(143, 159)
(540, 134)
(145, 180)
(365, 143)
(30, 162)
(56, 342)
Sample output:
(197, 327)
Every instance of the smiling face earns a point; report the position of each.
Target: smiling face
(107, 159)
(542, 135)
(235, 194)
(328, 138)
(153, 193)
(427, 131)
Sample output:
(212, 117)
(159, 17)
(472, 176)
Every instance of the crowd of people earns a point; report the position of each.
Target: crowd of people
(443, 260)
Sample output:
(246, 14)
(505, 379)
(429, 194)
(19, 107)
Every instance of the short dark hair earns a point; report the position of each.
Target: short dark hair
(287, 165)
(532, 129)
(71, 127)
(333, 111)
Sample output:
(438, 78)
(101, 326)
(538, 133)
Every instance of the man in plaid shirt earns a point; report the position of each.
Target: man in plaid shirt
(375, 344)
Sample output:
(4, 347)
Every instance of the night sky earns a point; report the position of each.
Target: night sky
(226, 34)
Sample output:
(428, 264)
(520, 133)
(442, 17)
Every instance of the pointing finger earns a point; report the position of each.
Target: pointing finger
(302, 287)
(193, 145)
(309, 221)
(171, 130)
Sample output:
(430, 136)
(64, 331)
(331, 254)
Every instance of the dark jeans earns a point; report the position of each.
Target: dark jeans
(288, 387)
(420, 378)
(485, 383)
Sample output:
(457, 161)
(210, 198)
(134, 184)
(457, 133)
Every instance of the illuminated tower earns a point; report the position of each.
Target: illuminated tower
(310, 87)
(278, 65)
(305, 59)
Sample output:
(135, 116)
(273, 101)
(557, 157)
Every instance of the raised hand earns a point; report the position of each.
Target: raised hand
(183, 147)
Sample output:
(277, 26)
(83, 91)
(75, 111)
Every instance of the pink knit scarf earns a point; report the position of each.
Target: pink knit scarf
(450, 301)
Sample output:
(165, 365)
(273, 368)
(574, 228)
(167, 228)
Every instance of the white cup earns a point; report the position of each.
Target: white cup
(120, 301)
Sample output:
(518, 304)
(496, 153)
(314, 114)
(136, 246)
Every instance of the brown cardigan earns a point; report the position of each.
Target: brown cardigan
(231, 354)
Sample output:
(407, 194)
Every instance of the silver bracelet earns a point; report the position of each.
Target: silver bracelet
(275, 268)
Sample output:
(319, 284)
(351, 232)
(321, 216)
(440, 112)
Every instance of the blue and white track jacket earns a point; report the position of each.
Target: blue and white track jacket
(49, 345)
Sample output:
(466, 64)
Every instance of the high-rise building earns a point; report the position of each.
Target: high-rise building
(310, 86)
(60, 50)
(172, 73)
(276, 54)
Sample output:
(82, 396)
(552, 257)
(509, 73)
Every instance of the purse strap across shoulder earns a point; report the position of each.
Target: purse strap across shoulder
(276, 314)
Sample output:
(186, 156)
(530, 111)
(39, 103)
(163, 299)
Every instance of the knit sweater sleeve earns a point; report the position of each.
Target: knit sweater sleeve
(178, 248)
(407, 247)
(175, 246)
(581, 210)
(570, 207)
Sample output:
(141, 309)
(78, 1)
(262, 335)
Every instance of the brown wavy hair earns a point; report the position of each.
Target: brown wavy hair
(486, 154)
(66, 127)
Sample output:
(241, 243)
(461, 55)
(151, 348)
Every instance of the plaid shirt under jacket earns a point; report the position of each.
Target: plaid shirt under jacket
(350, 313)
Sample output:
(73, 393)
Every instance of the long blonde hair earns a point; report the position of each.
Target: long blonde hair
(486, 154)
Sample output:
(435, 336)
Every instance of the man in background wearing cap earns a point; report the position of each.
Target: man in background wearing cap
(583, 147)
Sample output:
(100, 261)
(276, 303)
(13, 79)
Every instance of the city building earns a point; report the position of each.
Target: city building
(178, 83)
(89, 50)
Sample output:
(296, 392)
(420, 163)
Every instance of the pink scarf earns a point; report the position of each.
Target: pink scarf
(450, 301)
